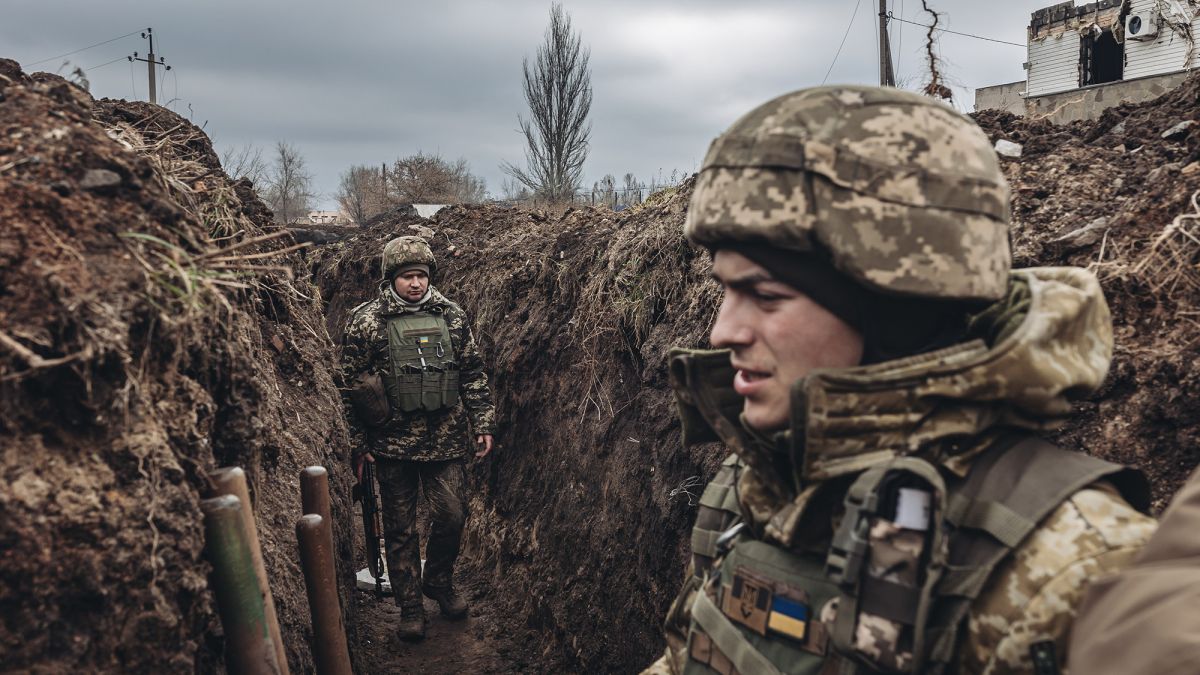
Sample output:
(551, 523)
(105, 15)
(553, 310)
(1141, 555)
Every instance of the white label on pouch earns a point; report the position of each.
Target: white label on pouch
(912, 509)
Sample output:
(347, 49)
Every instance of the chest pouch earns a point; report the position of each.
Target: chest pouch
(887, 555)
(423, 373)
(756, 612)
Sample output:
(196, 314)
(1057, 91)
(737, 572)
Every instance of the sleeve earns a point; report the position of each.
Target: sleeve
(1144, 619)
(355, 360)
(1032, 598)
(473, 380)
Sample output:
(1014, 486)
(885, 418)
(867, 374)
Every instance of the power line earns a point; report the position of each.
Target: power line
(28, 65)
(844, 36)
(119, 58)
(947, 30)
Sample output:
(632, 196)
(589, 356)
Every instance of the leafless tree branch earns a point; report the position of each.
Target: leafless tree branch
(558, 91)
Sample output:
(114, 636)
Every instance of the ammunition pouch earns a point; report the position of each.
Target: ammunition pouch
(887, 557)
(424, 375)
(370, 400)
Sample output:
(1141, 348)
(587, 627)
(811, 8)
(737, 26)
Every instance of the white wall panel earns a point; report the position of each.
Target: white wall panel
(1166, 54)
(1053, 64)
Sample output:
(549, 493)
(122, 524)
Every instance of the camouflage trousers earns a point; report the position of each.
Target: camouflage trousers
(400, 482)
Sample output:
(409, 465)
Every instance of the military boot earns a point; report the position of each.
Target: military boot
(412, 623)
(449, 600)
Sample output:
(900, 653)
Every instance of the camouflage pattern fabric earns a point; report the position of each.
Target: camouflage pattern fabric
(895, 556)
(441, 435)
(946, 407)
(1035, 594)
(444, 484)
(905, 193)
(858, 417)
(403, 251)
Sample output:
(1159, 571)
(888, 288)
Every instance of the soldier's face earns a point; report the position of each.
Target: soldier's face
(777, 335)
(411, 285)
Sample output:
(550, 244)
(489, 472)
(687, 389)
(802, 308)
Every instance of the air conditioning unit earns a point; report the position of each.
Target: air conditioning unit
(1141, 26)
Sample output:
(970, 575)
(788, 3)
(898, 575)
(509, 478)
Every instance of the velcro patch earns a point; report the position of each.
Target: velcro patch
(748, 600)
(789, 615)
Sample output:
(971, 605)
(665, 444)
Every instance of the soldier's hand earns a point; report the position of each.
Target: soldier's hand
(484, 441)
(358, 464)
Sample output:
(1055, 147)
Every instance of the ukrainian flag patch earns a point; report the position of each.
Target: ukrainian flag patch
(424, 339)
(788, 617)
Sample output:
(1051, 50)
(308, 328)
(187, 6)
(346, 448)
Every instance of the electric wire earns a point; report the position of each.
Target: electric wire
(119, 58)
(120, 37)
(843, 44)
(954, 32)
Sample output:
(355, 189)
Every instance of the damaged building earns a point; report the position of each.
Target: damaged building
(1085, 58)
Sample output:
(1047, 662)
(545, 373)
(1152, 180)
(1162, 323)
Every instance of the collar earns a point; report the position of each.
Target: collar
(944, 406)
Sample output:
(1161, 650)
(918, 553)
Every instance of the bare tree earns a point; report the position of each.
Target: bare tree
(361, 193)
(289, 192)
(512, 190)
(604, 191)
(245, 162)
(558, 89)
(430, 179)
(633, 189)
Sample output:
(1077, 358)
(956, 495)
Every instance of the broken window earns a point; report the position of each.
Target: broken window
(1101, 58)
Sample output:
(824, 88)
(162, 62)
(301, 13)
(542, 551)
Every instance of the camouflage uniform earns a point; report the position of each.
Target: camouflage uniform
(906, 197)
(422, 448)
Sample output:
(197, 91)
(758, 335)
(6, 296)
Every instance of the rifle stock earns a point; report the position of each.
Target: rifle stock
(372, 517)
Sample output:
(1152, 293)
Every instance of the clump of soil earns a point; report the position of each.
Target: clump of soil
(1108, 195)
(150, 331)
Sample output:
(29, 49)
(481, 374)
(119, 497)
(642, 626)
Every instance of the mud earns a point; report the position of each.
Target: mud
(1120, 169)
(142, 348)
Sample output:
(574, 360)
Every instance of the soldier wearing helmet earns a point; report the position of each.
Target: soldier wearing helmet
(418, 390)
(881, 377)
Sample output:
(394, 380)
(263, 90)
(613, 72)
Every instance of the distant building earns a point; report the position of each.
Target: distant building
(1083, 59)
(427, 210)
(328, 218)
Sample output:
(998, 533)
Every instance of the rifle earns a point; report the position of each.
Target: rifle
(372, 517)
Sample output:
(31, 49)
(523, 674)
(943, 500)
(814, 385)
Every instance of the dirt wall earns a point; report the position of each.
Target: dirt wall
(577, 521)
(151, 332)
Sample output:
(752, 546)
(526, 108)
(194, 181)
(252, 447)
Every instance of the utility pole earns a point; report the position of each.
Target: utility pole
(150, 62)
(887, 78)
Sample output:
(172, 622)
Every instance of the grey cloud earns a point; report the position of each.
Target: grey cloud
(365, 81)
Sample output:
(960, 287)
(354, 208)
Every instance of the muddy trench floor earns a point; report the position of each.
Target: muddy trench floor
(481, 643)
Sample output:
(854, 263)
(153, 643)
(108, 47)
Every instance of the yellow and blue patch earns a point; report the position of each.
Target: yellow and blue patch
(788, 617)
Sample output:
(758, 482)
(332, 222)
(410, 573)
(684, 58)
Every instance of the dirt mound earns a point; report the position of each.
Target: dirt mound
(150, 331)
(1106, 195)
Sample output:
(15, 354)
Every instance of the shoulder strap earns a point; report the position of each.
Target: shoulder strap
(719, 510)
(1016, 484)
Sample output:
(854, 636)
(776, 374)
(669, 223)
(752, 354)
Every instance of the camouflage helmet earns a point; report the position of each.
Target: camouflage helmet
(904, 194)
(407, 250)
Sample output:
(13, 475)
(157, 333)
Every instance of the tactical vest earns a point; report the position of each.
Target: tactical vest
(423, 374)
(767, 610)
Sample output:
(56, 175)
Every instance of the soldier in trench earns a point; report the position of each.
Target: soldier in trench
(881, 376)
(418, 392)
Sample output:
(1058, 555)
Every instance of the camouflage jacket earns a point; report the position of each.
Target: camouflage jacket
(422, 436)
(1051, 339)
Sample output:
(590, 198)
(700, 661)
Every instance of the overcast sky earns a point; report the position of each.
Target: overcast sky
(367, 81)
